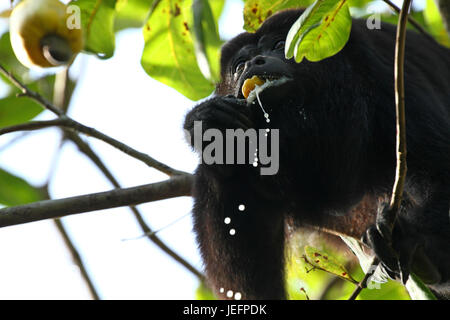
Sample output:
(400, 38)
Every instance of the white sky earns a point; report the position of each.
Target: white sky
(118, 98)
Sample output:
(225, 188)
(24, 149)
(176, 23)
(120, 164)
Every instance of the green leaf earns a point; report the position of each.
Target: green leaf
(217, 8)
(15, 110)
(256, 11)
(169, 55)
(131, 13)
(418, 290)
(391, 290)
(359, 3)
(204, 293)
(320, 32)
(16, 191)
(435, 24)
(207, 41)
(97, 20)
(9, 60)
(326, 262)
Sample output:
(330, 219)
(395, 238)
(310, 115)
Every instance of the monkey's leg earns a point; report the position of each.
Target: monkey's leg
(241, 237)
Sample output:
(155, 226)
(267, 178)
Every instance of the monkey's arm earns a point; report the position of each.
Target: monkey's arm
(241, 238)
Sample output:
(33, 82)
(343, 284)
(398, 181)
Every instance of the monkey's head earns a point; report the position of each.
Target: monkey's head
(259, 54)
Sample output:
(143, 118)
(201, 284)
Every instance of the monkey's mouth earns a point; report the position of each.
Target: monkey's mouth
(253, 86)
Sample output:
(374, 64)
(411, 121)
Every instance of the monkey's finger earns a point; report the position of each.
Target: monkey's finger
(228, 120)
(217, 115)
(235, 114)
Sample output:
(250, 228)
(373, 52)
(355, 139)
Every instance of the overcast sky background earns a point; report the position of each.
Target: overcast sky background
(118, 98)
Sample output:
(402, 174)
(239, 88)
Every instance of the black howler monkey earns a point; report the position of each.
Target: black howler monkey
(336, 121)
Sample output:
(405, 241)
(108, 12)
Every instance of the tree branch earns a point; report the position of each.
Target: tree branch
(410, 19)
(389, 216)
(35, 125)
(61, 97)
(177, 186)
(71, 127)
(363, 283)
(76, 258)
(29, 93)
(87, 150)
(401, 168)
(69, 123)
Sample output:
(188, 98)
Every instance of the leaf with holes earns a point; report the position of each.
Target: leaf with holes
(169, 55)
(256, 11)
(320, 32)
(325, 262)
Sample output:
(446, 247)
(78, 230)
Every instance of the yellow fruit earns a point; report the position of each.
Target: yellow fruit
(40, 36)
(250, 84)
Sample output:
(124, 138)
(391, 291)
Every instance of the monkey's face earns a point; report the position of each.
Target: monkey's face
(258, 54)
(266, 61)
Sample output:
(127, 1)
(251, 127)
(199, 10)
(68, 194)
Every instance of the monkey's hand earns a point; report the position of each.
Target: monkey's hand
(400, 251)
(219, 113)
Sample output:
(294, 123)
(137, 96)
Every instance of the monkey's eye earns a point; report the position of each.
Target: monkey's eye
(239, 66)
(279, 45)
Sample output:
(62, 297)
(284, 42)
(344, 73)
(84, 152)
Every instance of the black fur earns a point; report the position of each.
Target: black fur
(337, 145)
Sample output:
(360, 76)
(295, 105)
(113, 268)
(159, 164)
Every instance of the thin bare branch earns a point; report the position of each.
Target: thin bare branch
(13, 141)
(410, 20)
(390, 215)
(29, 93)
(69, 123)
(34, 125)
(363, 283)
(87, 150)
(61, 95)
(401, 168)
(177, 186)
(76, 258)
